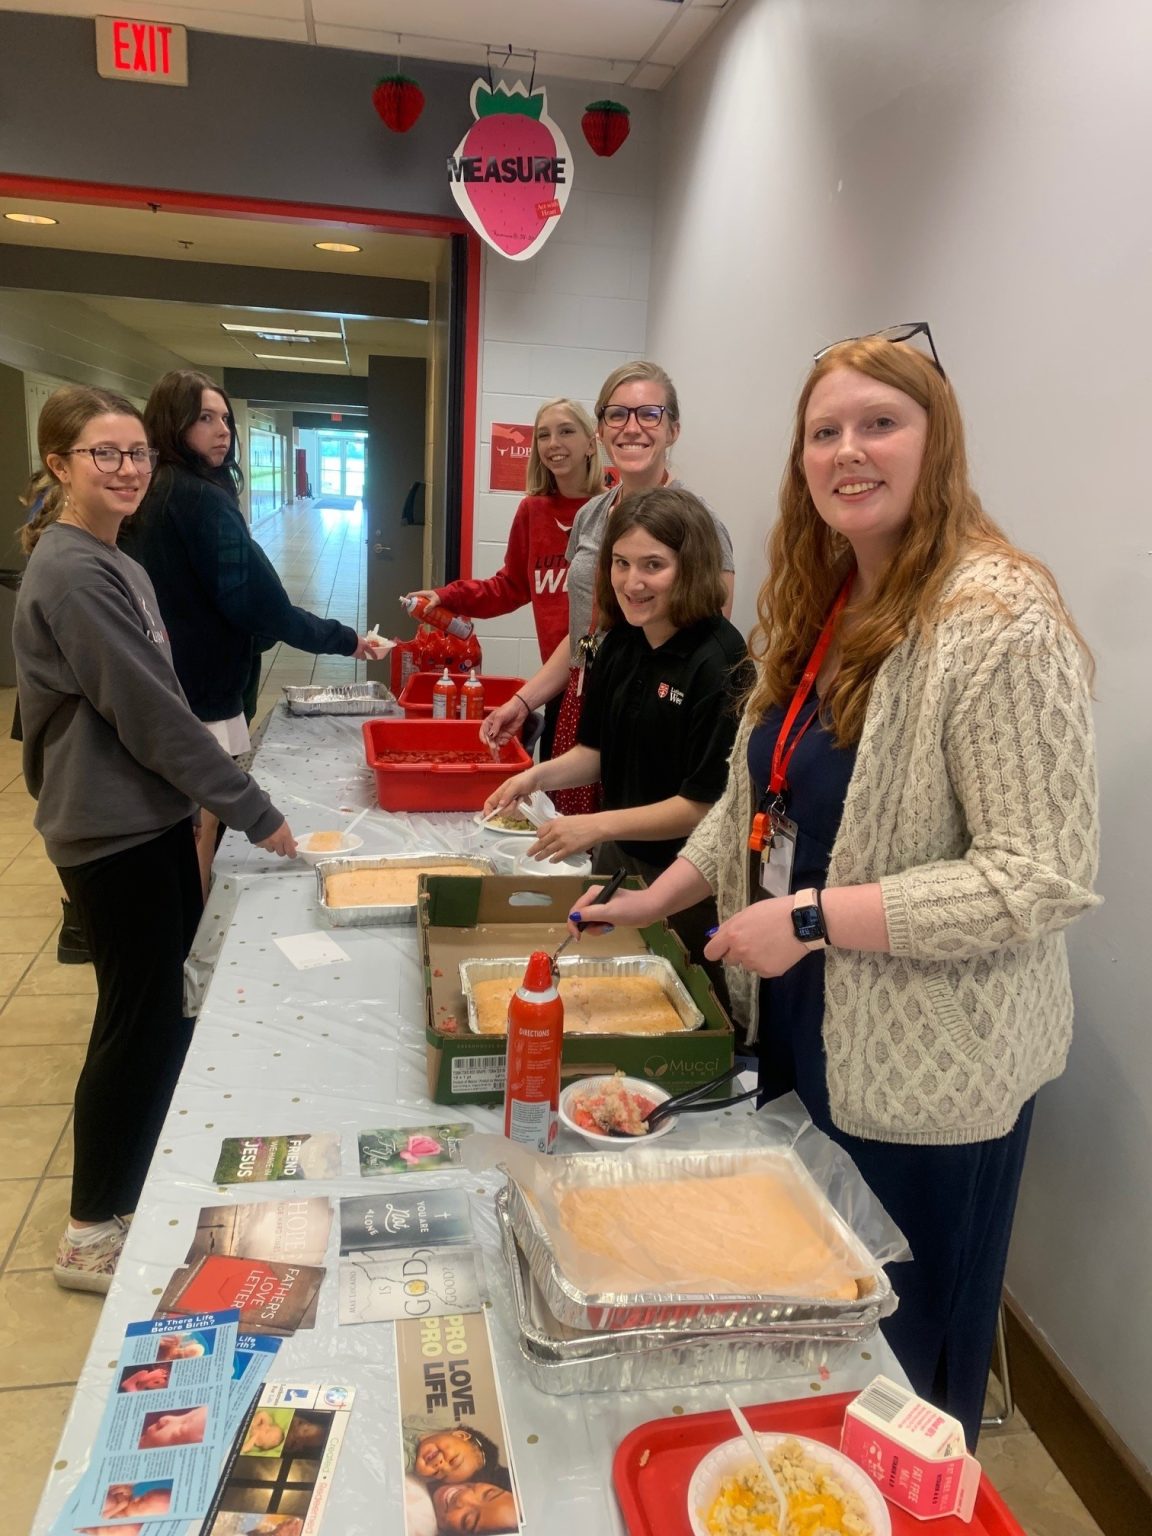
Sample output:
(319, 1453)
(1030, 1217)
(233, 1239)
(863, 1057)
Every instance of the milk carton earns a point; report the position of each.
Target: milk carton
(914, 1454)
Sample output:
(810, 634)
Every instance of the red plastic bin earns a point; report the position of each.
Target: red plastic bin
(416, 695)
(433, 784)
(654, 1464)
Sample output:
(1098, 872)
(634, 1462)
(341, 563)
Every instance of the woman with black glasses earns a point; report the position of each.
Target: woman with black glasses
(117, 763)
(909, 824)
(638, 416)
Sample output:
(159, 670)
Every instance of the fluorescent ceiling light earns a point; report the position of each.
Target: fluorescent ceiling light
(278, 357)
(335, 245)
(30, 218)
(281, 330)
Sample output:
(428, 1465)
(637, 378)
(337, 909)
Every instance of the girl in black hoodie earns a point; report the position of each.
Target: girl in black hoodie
(218, 592)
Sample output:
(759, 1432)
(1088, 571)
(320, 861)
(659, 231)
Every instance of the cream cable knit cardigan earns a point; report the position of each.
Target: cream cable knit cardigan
(973, 803)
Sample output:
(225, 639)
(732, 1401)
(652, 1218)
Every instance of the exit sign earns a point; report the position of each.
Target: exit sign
(151, 51)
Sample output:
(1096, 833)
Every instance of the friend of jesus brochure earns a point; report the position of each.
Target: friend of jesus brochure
(268, 1159)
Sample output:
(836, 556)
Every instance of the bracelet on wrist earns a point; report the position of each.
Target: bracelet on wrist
(523, 701)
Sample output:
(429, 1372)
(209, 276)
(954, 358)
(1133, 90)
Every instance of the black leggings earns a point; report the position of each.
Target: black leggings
(139, 911)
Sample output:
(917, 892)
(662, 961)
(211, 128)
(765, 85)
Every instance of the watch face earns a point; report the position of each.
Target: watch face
(806, 923)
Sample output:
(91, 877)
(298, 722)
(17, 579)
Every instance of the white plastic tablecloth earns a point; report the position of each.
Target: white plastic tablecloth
(341, 1048)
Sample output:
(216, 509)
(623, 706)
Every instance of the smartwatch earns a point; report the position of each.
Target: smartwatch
(808, 920)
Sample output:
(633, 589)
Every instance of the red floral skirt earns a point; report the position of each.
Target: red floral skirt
(586, 799)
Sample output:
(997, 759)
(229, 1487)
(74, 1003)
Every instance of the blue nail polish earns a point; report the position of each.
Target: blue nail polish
(712, 932)
(575, 917)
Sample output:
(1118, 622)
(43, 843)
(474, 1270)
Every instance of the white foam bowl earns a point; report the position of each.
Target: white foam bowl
(585, 1085)
(349, 843)
(733, 1457)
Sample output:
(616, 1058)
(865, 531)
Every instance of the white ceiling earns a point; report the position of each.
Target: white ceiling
(219, 238)
(621, 42)
(196, 332)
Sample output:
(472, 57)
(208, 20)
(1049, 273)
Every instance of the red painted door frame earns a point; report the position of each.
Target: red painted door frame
(307, 213)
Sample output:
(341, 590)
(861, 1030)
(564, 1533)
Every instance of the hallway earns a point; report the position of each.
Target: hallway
(320, 554)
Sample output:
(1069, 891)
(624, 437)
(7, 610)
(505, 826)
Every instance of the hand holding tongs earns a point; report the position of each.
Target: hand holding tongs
(606, 894)
(686, 1103)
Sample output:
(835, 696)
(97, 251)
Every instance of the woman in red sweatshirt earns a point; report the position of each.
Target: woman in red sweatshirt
(564, 471)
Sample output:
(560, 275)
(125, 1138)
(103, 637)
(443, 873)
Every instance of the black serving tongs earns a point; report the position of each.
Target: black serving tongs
(694, 1101)
(606, 894)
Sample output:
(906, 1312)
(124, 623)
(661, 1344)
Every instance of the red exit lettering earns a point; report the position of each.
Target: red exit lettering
(141, 47)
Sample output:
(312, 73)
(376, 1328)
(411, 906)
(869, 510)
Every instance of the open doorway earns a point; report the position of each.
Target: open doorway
(341, 459)
(372, 417)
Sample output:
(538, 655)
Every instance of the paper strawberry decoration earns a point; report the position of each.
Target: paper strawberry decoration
(512, 171)
(605, 125)
(399, 101)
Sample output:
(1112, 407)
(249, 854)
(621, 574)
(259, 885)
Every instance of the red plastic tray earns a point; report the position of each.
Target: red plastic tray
(432, 785)
(653, 1497)
(416, 695)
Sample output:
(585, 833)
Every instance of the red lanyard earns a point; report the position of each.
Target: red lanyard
(764, 822)
(783, 750)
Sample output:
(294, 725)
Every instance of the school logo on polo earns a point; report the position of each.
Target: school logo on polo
(666, 691)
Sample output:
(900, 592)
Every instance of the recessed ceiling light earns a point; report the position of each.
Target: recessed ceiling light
(278, 357)
(335, 245)
(30, 218)
(283, 330)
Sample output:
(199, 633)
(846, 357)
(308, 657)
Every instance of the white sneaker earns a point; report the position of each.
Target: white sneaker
(89, 1266)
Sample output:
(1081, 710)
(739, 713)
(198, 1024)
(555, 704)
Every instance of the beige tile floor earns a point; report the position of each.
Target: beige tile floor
(45, 1012)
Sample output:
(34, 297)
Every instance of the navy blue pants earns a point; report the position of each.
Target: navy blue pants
(954, 1205)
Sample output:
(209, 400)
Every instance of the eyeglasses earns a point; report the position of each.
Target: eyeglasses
(646, 415)
(894, 333)
(108, 460)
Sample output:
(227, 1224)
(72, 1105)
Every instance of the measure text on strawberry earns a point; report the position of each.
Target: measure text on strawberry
(528, 168)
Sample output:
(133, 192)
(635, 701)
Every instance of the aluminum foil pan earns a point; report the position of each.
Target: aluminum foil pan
(611, 1311)
(663, 971)
(647, 1361)
(342, 699)
(383, 916)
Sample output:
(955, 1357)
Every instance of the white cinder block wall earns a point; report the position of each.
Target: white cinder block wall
(558, 323)
(832, 167)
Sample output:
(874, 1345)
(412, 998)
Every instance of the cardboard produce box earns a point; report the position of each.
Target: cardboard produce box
(502, 915)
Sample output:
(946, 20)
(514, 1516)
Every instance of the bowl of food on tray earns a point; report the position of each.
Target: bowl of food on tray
(597, 1107)
(730, 1496)
(314, 846)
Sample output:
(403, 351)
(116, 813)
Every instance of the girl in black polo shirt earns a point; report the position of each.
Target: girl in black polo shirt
(659, 719)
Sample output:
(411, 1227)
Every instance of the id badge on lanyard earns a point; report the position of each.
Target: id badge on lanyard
(778, 856)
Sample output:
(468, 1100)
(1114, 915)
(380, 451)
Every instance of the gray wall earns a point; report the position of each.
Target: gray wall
(260, 119)
(57, 334)
(976, 165)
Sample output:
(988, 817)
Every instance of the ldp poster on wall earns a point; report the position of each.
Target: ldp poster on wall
(511, 445)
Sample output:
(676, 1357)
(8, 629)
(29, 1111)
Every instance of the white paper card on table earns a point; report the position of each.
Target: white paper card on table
(308, 950)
